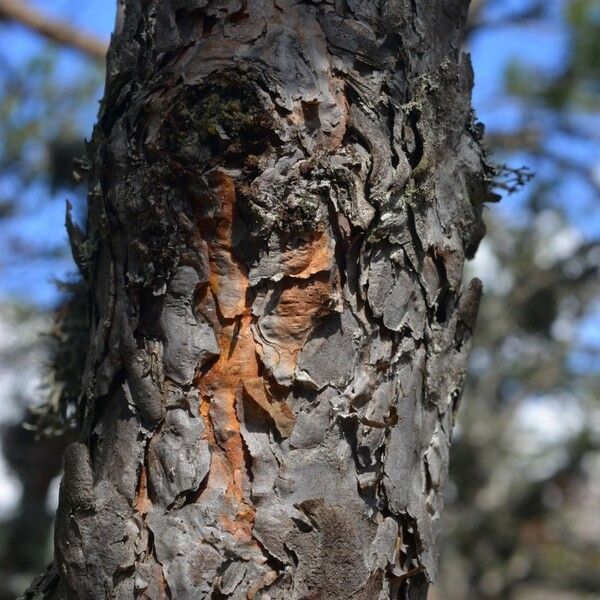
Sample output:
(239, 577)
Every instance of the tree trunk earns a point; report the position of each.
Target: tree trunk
(283, 194)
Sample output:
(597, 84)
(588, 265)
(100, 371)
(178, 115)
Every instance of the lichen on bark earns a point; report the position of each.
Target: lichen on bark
(283, 195)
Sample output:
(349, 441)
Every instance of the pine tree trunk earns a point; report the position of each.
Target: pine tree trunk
(283, 195)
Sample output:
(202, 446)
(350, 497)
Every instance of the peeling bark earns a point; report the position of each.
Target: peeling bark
(283, 197)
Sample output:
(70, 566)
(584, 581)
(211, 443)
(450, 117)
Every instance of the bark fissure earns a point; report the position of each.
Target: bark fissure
(282, 198)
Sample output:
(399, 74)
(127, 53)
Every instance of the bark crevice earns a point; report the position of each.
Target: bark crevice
(283, 195)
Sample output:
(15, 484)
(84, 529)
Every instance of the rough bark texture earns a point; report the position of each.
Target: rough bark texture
(283, 196)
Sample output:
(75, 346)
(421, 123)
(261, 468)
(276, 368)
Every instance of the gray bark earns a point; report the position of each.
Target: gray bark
(283, 194)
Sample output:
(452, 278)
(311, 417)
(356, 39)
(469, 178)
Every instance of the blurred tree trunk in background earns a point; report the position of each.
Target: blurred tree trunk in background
(282, 198)
(36, 463)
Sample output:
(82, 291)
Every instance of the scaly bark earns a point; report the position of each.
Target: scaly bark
(283, 194)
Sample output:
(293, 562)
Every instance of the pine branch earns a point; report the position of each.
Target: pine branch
(52, 29)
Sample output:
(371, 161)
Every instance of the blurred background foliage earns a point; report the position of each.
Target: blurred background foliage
(522, 505)
(522, 519)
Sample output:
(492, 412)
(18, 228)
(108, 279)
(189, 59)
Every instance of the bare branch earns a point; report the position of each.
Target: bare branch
(512, 179)
(529, 140)
(52, 29)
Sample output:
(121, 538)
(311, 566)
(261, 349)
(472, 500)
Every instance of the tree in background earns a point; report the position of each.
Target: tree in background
(43, 108)
(525, 463)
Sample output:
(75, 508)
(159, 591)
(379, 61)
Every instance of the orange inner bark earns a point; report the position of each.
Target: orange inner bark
(221, 386)
(143, 504)
(226, 302)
